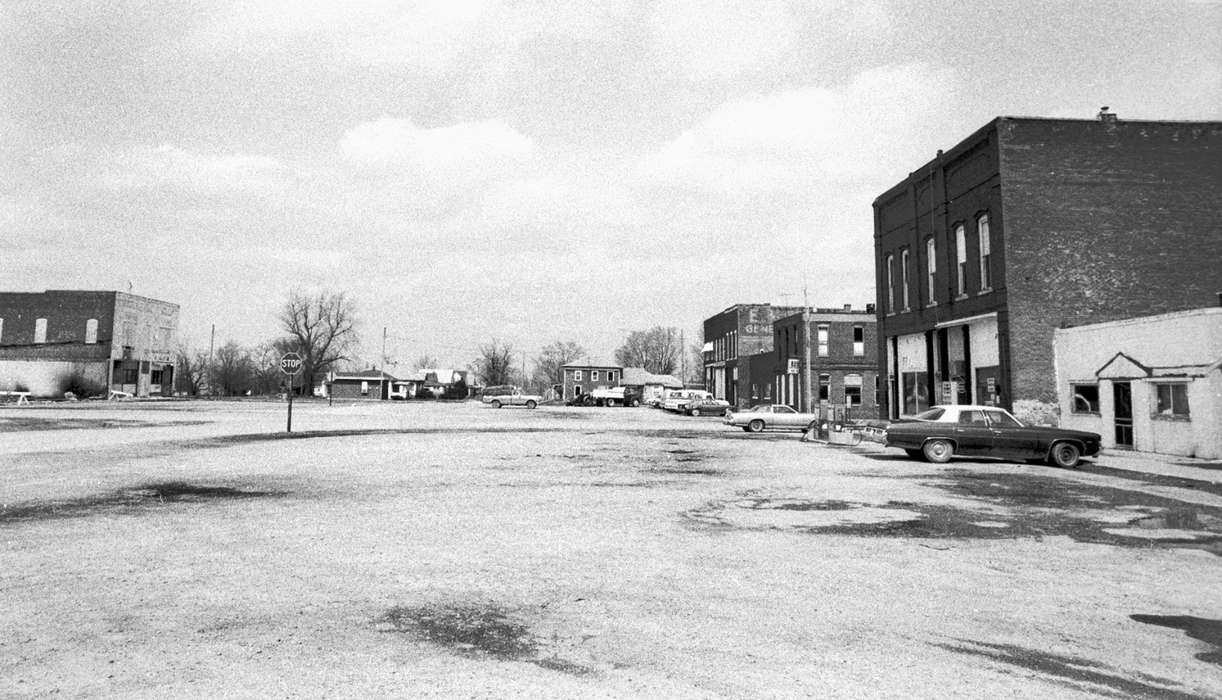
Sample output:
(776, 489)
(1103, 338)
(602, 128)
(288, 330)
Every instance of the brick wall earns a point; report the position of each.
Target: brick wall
(66, 313)
(1105, 222)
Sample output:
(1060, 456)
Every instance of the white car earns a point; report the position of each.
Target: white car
(676, 400)
(511, 396)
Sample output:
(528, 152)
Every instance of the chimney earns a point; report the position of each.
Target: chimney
(1106, 116)
(848, 307)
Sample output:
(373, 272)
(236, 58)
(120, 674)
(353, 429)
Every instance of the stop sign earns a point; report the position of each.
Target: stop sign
(290, 363)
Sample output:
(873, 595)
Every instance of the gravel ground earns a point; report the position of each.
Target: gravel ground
(427, 549)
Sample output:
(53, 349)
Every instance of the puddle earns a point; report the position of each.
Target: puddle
(1199, 628)
(126, 500)
(1084, 675)
(478, 631)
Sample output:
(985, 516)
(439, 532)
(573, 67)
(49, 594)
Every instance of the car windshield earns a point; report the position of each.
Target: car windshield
(761, 409)
(931, 414)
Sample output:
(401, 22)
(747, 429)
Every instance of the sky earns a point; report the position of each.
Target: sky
(519, 170)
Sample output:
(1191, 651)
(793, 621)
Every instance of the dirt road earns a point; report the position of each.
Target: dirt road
(419, 549)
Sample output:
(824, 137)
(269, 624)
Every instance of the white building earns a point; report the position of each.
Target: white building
(1152, 384)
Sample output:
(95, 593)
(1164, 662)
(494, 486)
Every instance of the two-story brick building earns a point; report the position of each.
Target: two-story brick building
(105, 339)
(730, 337)
(584, 378)
(1029, 225)
(843, 356)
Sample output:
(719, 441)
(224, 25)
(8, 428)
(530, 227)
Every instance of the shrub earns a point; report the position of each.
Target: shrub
(81, 385)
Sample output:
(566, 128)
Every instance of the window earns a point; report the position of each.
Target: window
(931, 268)
(611, 376)
(593, 375)
(852, 390)
(890, 284)
(577, 389)
(982, 230)
(904, 276)
(825, 387)
(960, 260)
(1002, 419)
(91, 331)
(40, 330)
(1, 329)
(916, 392)
(975, 418)
(821, 333)
(576, 375)
(1085, 398)
(364, 388)
(859, 341)
(1172, 400)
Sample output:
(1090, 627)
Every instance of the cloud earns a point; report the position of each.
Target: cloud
(169, 165)
(795, 138)
(720, 38)
(469, 147)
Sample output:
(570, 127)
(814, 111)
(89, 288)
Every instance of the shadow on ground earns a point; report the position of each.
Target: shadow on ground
(131, 500)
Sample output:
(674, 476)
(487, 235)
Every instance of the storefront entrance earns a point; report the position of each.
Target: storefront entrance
(1122, 413)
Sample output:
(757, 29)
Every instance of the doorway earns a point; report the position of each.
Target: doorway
(1122, 413)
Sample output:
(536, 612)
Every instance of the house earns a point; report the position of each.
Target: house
(647, 385)
(369, 384)
(1125, 381)
(843, 361)
(87, 340)
(735, 333)
(1029, 225)
(441, 383)
(582, 379)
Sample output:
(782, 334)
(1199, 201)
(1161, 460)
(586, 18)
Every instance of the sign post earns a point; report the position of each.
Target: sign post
(290, 364)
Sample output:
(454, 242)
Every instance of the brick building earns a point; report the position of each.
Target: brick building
(582, 379)
(101, 339)
(732, 336)
(843, 361)
(1029, 225)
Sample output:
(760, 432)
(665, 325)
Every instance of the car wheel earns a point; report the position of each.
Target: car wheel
(938, 451)
(755, 426)
(531, 404)
(496, 404)
(1065, 455)
(636, 403)
(695, 412)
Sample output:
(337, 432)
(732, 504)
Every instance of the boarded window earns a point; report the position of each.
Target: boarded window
(40, 330)
(91, 331)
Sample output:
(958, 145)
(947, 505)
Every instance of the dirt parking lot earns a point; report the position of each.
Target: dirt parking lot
(426, 549)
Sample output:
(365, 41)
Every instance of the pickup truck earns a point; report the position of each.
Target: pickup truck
(510, 396)
(616, 396)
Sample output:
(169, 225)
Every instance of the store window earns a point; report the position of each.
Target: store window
(1085, 398)
(1172, 400)
(916, 392)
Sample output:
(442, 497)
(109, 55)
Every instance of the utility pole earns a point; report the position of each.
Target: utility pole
(683, 356)
(382, 367)
(807, 394)
(208, 369)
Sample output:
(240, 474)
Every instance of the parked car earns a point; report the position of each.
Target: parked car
(943, 432)
(616, 396)
(511, 397)
(497, 390)
(706, 407)
(771, 417)
(676, 400)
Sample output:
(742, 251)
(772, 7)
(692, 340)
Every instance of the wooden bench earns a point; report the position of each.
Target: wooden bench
(23, 397)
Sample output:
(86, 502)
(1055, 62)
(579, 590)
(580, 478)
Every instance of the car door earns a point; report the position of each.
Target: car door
(1011, 438)
(972, 433)
(784, 417)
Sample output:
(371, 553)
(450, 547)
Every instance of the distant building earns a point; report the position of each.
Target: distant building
(102, 340)
(1029, 225)
(647, 385)
(736, 333)
(1125, 381)
(843, 361)
(584, 378)
(367, 384)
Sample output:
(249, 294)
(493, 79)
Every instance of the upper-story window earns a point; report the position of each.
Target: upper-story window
(960, 260)
(821, 333)
(859, 341)
(593, 375)
(576, 375)
(904, 277)
(40, 330)
(982, 228)
(91, 331)
(1, 329)
(931, 270)
(890, 283)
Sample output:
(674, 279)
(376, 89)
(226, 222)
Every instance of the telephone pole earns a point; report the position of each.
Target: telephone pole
(807, 394)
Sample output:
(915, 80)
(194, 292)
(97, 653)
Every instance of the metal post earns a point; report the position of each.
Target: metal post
(807, 393)
(289, 428)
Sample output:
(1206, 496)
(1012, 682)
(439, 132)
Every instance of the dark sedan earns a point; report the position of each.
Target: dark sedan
(943, 432)
(706, 407)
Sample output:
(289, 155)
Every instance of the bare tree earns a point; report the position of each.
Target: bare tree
(657, 350)
(426, 361)
(550, 362)
(190, 368)
(495, 363)
(232, 370)
(322, 330)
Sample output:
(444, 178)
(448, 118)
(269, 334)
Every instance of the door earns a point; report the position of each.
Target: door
(1011, 438)
(987, 388)
(972, 434)
(1122, 413)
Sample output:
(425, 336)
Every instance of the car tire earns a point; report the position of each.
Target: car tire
(1065, 455)
(636, 403)
(496, 404)
(531, 404)
(938, 451)
(695, 412)
(755, 426)
(915, 454)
